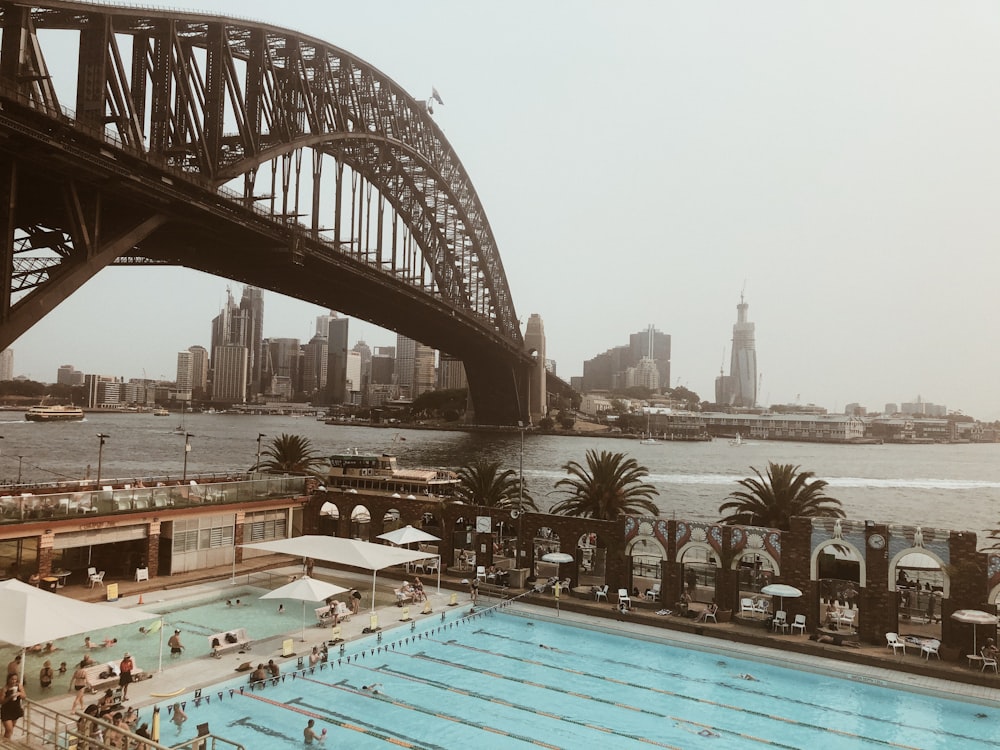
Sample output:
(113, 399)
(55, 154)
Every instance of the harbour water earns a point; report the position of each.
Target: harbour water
(945, 486)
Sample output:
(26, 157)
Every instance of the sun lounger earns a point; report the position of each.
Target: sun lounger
(110, 678)
(323, 614)
(229, 640)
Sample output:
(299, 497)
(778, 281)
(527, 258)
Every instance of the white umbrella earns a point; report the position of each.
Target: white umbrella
(305, 589)
(408, 535)
(31, 615)
(558, 558)
(976, 617)
(781, 590)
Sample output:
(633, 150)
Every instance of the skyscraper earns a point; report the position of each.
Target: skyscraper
(405, 352)
(743, 362)
(185, 376)
(199, 370)
(336, 369)
(230, 331)
(252, 306)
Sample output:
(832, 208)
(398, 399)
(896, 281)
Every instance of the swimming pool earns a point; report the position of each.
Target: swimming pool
(197, 617)
(500, 679)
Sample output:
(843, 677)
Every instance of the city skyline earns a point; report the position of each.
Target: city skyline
(835, 162)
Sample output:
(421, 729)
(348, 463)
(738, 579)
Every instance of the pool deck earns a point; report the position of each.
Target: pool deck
(870, 663)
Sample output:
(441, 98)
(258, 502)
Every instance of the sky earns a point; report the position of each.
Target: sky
(644, 163)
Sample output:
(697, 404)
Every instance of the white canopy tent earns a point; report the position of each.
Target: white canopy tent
(31, 615)
(351, 552)
(407, 535)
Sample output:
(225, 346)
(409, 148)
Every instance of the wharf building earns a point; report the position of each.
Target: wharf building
(172, 527)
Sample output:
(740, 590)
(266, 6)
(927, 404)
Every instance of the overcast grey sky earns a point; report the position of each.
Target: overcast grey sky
(640, 162)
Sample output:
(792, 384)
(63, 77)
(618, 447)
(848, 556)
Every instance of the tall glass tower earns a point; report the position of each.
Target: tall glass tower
(743, 364)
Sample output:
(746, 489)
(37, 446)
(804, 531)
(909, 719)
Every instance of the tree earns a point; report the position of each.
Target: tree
(289, 454)
(609, 486)
(773, 502)
(483, 483)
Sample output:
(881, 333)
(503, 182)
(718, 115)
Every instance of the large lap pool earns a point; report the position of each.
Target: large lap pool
(500, 679)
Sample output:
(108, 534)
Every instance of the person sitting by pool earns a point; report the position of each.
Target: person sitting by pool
(314, 656)
(711, 609)
(684, 603)
(990, 650)
(107, 703)
(331, 612)
(273, 668)
(418, 590)
(259, 674)
(832, 614)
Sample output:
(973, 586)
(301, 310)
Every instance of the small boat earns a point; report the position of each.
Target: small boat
(736, 441)
(650, 440)
(160, 412)
(57, 413)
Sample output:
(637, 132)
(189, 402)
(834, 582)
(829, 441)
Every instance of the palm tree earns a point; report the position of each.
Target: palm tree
(289, 454)
(784, 494)
(608, 487)
(483, 483)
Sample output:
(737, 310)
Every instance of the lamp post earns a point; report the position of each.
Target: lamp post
(187, 449)
(520, 472)
(19, 460)
(260, 436)
(100, 454)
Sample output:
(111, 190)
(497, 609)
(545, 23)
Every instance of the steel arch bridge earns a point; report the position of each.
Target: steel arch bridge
(250, 152)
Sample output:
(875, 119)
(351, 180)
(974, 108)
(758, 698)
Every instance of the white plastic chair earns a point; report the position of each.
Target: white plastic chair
(892, 641)
(847, 618)
(931, 647)
(623, 597)
(762, 607)
(746, 605)
(780, 621)
(601, 592)
(96, 578)
(141, 574)
(988, 661)
(800, 623)
(481, 572)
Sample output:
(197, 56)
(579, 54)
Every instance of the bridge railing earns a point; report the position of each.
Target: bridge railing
(108, 500)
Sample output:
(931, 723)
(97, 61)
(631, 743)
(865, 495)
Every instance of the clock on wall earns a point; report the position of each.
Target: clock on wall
(876, 541)
(484, 524)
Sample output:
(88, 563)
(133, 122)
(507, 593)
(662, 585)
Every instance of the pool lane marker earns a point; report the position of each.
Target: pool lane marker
(337, 723)
(736, 687)
(434, 713)
(661, 691)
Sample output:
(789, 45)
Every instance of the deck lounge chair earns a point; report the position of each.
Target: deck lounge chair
(930, 647)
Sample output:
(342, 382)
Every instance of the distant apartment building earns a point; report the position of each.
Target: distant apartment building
(451, 373)
(199, 370)
(405, 352)
(424, 369)
(185, 376)
(609, 371)
(67, 375)
(281, 361)
(315, 356)
(352, 378)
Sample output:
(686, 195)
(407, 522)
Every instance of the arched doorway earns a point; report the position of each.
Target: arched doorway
(646, 556)
(839, 571)
(699, 571)
(361, 523)
(921, 583)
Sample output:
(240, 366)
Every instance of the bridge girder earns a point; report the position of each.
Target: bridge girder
(199, 108)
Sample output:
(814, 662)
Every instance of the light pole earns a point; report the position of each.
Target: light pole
(260, 436)
(187, 449)
(520, 472)
(19, 460)
(100, 455)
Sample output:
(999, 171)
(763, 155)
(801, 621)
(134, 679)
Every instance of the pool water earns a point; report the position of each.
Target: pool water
(499, 679)
(197, 618)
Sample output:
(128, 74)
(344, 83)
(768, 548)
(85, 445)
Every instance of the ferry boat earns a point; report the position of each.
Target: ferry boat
(56, 413)
(161, 412)
(381, 473)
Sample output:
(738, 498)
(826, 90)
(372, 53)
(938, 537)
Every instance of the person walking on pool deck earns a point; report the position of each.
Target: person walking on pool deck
(79, 683)
(176, 647)
(125, 674)
(474, 590)
(355, 601)
(11, 710)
